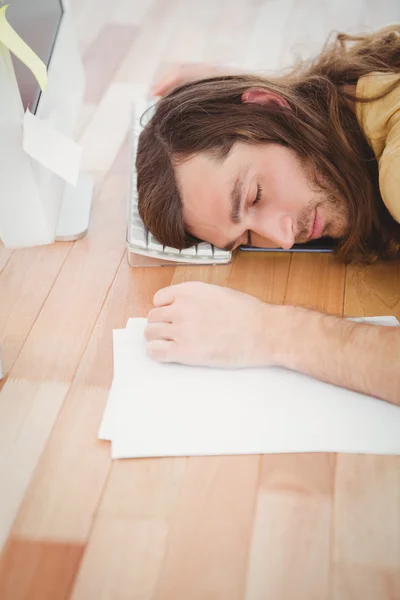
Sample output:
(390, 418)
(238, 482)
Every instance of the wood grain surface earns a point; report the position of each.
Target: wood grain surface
(74, 524)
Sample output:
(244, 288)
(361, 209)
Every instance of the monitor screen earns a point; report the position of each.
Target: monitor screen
(37, 22)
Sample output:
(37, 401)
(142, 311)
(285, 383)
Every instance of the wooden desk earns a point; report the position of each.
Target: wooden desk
(76, 525)
(280, 527)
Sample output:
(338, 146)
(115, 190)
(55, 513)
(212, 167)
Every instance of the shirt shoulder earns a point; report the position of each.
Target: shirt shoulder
(377, 117)
(380, 122)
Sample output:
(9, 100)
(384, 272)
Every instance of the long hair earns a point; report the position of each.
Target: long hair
(320, 127)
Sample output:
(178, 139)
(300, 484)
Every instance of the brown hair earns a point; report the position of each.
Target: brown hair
(321, 127)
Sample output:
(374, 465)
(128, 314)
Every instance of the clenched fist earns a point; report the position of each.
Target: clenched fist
(208, 325)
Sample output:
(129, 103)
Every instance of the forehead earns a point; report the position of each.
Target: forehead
(205, 185)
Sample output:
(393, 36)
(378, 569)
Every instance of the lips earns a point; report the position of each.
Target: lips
(317, 227)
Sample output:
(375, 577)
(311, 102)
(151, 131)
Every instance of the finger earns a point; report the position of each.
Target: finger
(165, 296)
(160, 315)
(161, 350)
(158, 331)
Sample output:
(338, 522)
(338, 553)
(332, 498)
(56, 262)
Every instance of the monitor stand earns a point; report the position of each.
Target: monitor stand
(73, 221)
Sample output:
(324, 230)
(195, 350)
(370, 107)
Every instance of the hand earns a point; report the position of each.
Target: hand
(183, 73)
(201, 324)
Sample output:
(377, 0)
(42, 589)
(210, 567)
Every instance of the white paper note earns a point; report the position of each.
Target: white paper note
(107, 426)
(51, 149)
(172, 410)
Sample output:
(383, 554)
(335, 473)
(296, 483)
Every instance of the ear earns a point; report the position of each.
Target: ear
(258, 95)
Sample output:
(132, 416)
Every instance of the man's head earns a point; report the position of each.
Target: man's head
(262, 195)
(239, 159)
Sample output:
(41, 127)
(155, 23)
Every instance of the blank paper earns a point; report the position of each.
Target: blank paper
(174, 410)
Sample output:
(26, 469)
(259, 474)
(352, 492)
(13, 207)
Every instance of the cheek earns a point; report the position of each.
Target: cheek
(289, 190)
(261, 242)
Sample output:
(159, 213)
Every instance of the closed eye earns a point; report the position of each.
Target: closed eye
(255, 201)
(258, 195)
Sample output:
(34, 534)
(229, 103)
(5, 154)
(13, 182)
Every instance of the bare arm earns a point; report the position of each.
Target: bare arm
(358, 356)
(201, 324)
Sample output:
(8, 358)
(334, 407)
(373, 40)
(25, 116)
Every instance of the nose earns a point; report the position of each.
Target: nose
(278, 231)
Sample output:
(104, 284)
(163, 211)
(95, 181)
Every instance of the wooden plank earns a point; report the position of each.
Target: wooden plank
(5, 254)
(263, 275)
(103, 58)
(158, 28)
(180, 528)
(294, 502)
(131, 12)
(38, 570)
(317, 282)
(232, 31)
(111, 121)
(90, 17)
(215, 275)
(373, 290)
(292, 529)
(48, 361)
(367, 488)
(193, 40)
(55, 345)
(208, 543)
(25, 284)
(128, 541)
(145, 488)
(122, 561)
(209, 567)
(28, 410)
(267, 36)
(67, 486)
(366, 550)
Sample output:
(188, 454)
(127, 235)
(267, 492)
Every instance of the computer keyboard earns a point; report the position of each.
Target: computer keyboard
(143, 248)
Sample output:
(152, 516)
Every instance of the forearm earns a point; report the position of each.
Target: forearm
(361, 357)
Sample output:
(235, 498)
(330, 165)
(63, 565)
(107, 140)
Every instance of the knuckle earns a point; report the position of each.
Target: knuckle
(150, 333)
(151, 317)
(154, 350)
(193, 286)
(158, 350)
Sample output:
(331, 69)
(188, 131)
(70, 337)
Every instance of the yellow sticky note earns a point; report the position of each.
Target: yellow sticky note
(10, 38)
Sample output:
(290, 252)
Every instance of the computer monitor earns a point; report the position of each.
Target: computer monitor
(37, 206)
(37, 23)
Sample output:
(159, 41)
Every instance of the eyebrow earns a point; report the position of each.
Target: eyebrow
(236, 205)
(236, 199)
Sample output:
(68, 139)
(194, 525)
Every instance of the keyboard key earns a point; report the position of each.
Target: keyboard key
(153, 244)
(204, 249)
(220, 253)
(139, 236)
(171, 250)
(189, 251)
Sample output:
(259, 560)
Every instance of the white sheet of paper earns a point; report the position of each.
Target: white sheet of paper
(107, 427)
(51, 149)
(171, 410)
